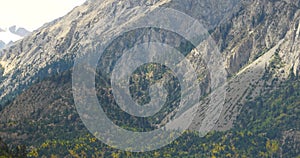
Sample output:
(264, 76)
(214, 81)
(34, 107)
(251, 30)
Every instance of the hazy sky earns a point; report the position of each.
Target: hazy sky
(32, 14)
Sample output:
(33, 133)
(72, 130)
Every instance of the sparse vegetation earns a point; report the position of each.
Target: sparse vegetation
(276, 61)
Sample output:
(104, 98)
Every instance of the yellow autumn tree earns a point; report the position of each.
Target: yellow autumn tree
(272, 146)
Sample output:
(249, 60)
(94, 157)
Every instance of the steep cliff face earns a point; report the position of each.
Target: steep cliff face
(260, 38)
(255, 28)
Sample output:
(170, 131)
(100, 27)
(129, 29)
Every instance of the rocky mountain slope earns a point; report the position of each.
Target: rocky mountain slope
(57, 41)
(259, 42)
(259, 38)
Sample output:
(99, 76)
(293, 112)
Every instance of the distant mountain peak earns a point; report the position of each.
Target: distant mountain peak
(18, 31)
(12, 34)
